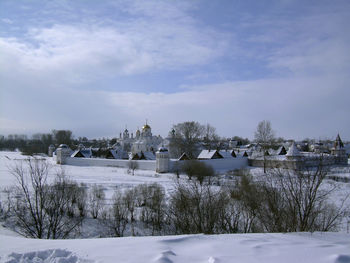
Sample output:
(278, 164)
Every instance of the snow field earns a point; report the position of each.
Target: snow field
(246, 248)
(110, 178)
(243, 248)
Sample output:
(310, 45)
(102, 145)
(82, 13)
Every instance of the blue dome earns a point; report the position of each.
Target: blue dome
(162, 149)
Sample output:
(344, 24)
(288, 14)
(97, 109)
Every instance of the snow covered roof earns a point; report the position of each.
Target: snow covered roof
(84, 153)
(209, 154)
(142, 156)
(281, 151)
(149, 155)
(162, 149)
(227, 153)
(119, 154)
(293, 151)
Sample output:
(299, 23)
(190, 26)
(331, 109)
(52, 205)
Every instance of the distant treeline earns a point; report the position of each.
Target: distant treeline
(40, 142)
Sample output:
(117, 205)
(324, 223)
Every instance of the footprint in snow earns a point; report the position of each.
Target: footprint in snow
(164, 257)
(213, 260)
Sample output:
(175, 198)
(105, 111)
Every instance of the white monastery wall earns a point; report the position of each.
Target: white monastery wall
(217, 164)
(142, 164)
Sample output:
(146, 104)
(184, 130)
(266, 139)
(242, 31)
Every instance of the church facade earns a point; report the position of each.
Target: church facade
(142, 142)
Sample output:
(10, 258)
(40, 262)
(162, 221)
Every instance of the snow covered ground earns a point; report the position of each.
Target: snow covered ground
(292, 247)
(270, 248)
(109, 178)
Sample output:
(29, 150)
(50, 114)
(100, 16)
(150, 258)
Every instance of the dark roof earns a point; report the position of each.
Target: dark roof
(282, 151)
(338, 142)
(183, 157)
(162, 149)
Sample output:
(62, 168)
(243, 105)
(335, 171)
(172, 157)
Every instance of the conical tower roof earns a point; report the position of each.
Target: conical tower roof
(338, 143)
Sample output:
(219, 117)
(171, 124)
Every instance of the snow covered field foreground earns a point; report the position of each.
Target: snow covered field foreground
(296, 247)
(272, 248)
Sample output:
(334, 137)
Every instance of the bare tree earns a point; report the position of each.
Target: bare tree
(40, 209)
(63, 137)
(62, 207)
(290, 201)
(196, 208)
(130, 200)
(96, 198)
(133, 165)
(153, 207)
(30, 189)
(186, 138)
(264, 135)
(211, 138)
(118, 216)
(306, 201)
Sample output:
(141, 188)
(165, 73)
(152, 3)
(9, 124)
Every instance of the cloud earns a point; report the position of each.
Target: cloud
(81, 51)
(7, 21)
(54, 75)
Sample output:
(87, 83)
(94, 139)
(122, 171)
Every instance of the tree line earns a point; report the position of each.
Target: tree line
(280, 201)
(40, 142)
(191, 136)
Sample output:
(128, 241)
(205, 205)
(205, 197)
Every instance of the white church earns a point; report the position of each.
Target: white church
(143, 142)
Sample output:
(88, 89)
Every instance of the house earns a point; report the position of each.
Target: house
(118, 154)
(82, 153)
(209, 154)
(183, 157)
(281, 151)
(149, 155)
(142, 156)
(137, 156)
(228, 153)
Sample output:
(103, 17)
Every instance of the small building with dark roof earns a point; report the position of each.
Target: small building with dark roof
(183, 157)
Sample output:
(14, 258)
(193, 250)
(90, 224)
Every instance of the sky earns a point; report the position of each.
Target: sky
(96, 67)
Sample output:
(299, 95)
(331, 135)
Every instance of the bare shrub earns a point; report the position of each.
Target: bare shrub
(5, 205)
(117, 217)
(62, 207)
(96, 200)
(130, 202)
(197, 169)
(289, 201)
(132, 165)
(40, 209)
(196, 208)
(306, 201)
(153, 207)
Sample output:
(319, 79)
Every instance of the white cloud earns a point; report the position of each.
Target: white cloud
(40, 73)
(78, 52)
(7, 21)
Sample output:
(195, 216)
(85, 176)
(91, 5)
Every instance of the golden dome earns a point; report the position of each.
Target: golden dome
(146, 126)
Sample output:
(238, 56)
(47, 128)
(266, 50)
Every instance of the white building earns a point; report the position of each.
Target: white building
(143, 141)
